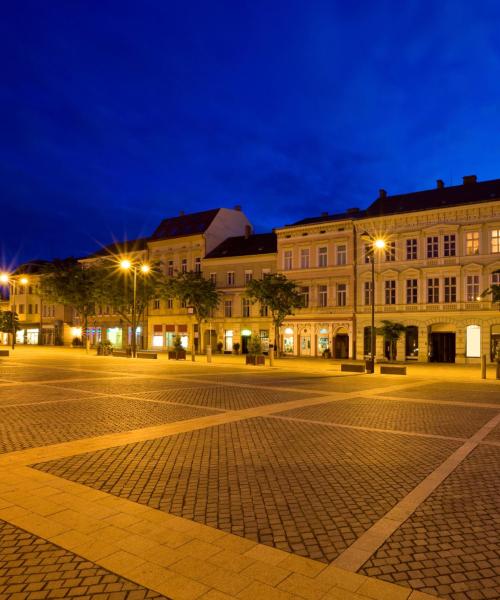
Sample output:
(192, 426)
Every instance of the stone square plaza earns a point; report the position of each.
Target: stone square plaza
(131, 479)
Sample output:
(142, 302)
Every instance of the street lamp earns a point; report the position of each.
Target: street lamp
(374, 244)
(127, 265)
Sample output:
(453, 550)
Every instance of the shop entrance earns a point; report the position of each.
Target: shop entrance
(305, 345)
(442, 347)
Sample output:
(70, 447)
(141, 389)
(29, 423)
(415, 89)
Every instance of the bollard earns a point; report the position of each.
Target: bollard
(483, 366)
(209, 353)
(271, 356)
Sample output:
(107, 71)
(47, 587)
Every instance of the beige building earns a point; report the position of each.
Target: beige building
(179, 244)
(442, 248)
(231, 265)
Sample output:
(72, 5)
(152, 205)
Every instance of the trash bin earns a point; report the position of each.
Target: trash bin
(369, 366)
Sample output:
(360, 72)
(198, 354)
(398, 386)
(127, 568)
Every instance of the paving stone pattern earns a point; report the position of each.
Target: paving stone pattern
(303, 488)
(22, 394)
(43, 424)
(454, 392)
(33, 569)
(450, 547)
(455, 421)
(229, 398)
(127, 385)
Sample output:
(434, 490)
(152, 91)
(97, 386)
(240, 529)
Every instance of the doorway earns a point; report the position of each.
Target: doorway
(442, 347)
(341, 345)
(305, 345)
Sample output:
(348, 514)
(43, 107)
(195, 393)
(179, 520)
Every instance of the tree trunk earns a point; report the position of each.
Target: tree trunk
(276, 341)
(84, 333)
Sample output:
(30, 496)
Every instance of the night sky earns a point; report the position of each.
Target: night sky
(117, 114)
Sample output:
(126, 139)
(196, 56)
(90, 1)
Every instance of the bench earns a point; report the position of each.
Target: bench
(4, 353)
(152, 355)
(121, 353)
(392, 370)
(352, 368)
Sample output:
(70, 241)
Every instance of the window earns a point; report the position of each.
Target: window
(342, 254)
(367, 293)
(287, 260)
(433, 290)
(411, 291)
(248, 276)
(30, 290)
(390, 291)
(341, 294)
(245, 307)
(433, 246)
(213, 278)
(304, 292)
(170, 303)
(495, 278)
(264, 311)
(322, 295)
(411, 249)
(170, 269)
(450, 246)
(390, 251)
(30, 309)
(495, 241)
(322, 257)
(304, 258)
(230, 278)
(367, 252)
(228, 308)
(472, 243)
(266, 272)
(473, 341)
(197, 264)
(472, 288)
(21, 309)
(184, 265)
(156, 304)
(450, 289)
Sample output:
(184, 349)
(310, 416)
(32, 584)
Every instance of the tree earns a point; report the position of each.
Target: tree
(9, 323)
(68, 282)
(198, 294)
(392, 332)
(493, 290)
(279, 295)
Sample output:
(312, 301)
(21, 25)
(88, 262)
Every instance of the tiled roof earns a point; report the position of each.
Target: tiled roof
(182, 225)
(258, 243)
(325, 218)
(33, 267)
(440, 197)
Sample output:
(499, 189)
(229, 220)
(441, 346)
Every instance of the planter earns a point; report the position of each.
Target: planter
(177, 354)
(252, 359)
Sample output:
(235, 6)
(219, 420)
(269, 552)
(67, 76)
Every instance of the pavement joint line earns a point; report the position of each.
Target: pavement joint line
(370, 541)
(430, 401)
(14, 382)
(374, 429)
(74, 526)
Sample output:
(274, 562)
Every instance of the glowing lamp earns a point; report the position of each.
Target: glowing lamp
(125, 264)
(145, 268)
(380, 244)
(24, 280)
(4, 278)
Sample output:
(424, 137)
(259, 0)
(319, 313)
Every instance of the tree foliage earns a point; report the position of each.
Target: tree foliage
(391, 331)
(493, 291)
(68, 282)
(195, 292)
(279, 295)
(9, 323)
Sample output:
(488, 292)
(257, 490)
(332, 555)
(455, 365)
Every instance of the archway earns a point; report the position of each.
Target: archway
(442, 343)
(341, 343)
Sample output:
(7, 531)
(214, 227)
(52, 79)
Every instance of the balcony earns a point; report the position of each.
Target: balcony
(424, 307)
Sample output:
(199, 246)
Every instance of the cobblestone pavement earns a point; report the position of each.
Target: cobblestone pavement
(263, 479)
(186, 481)
(450, 546)
(451, 391)
(418, 417)
(33, 569)
(40, 424)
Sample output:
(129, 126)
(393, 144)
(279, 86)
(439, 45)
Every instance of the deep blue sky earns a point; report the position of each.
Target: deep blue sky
(116, 114)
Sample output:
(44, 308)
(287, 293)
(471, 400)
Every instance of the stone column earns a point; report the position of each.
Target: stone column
(401, 348)
(423, 343)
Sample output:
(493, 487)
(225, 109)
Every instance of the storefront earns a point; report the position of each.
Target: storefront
(288, 340)
(27, 336)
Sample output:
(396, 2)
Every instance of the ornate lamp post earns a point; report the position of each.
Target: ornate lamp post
(127, 265)
(374, 244)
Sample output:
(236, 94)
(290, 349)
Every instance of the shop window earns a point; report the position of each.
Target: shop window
(473, 341)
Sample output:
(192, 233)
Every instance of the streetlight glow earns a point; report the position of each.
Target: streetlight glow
(145, 268)
(24, 280)
(4, 278)
(379, 243)
(125, 264)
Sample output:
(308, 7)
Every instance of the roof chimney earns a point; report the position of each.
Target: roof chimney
(248, 231)
(237, 207)
(382, 194)
(181, 213)
(440, 184)
(469, 179)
